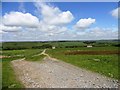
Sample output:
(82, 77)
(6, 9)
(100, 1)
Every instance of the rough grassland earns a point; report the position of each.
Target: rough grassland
(103, 64)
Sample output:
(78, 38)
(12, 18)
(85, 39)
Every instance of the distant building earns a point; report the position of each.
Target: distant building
(53, 47)
(89, 46)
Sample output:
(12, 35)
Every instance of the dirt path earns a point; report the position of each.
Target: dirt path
(53, 73)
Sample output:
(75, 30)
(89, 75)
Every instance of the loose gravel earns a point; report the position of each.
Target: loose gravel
(53, 73)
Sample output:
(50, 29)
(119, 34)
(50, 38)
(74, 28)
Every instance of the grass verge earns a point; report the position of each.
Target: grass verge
(9, 79)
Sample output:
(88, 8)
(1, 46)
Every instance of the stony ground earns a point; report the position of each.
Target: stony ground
(52, 73)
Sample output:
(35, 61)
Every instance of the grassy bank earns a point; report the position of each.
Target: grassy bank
(9, 79)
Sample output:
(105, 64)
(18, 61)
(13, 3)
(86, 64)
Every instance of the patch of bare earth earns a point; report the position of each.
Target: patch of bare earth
(52, 73)
(1, 56)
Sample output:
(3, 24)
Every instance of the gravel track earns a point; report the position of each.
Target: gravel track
(53, 73)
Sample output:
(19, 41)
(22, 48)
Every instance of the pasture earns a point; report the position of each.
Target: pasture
(73, 52)
(105, 64)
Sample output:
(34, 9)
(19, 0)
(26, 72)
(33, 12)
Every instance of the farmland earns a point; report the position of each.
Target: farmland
(101, 58)
(103, 64)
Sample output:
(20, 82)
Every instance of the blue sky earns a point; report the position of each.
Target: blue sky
(98, 10)
(99, 18)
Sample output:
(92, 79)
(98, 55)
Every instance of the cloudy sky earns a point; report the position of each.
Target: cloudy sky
(38, 21)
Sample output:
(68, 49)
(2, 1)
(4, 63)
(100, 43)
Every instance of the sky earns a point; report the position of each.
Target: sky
(48, 21)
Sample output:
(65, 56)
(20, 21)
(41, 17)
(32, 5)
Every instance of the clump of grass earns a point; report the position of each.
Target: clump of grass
(35, 58)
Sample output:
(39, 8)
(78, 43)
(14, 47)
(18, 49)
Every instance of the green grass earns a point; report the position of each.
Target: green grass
(9, 79)
(35, 58)
(29, 54)
(107, 64)
(89, 49)
(59, 44)
(0, 74)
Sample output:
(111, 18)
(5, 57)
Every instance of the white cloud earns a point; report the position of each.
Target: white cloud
(84, 23)
(1, 32)
(62, 18)
(53, 20)
(98, 33)
(51, 25)
(53, 15)
(115, 12)
(47, 28)
(10, 28)
(20, 19)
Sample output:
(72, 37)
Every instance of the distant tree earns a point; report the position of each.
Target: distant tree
(46, 46)
(89, 42)
(117, 45)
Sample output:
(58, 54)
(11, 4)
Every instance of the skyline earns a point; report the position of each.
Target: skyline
(38, 21)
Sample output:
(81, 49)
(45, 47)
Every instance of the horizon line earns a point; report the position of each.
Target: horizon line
(61, 40)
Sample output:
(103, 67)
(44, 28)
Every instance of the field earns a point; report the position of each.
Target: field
(103, 64)
(101, 58)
